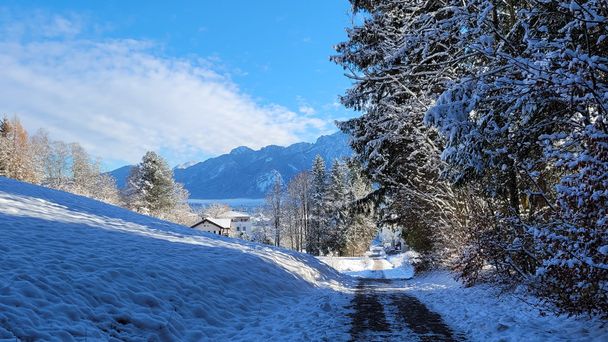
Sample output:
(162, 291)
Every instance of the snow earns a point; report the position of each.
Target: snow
(233, 214)
(393, 267)
(74, 268)
(186, 164)
(484, 314)
(481, 312)
(266, 180)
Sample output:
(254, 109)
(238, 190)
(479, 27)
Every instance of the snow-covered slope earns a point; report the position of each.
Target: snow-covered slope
(71, 267)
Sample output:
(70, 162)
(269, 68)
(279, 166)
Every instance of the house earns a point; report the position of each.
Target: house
(240, 223)
(230, 223)
(213, 225)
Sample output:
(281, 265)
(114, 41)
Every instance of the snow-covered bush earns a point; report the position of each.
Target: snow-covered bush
(574, 270)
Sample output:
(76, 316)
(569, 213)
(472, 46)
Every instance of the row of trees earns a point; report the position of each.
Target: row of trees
(485, 125)
(37, 159)
(315, 211)
(56, 164)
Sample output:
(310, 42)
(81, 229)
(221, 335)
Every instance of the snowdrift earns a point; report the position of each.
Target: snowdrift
(75, 268)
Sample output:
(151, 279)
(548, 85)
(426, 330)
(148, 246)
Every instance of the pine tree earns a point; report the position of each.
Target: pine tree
(337, 206)
(150, 187)
(317, 239)
(401, 57)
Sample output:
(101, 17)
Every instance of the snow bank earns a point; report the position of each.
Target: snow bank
(393, 267)
(485, 315)
(72, 267)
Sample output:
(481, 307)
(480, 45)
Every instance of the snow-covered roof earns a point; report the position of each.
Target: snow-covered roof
(233, 214)
(220, 222)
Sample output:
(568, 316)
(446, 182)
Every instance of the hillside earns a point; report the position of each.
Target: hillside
(247, 173)
(75, 268)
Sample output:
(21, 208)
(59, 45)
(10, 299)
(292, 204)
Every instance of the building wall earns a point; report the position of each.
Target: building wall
(240, 226)
(208, 227)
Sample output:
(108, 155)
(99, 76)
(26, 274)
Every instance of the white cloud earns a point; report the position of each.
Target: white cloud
(118, 99)
(307, 110)
(304, 107)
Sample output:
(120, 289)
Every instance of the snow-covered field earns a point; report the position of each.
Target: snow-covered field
(75, 268)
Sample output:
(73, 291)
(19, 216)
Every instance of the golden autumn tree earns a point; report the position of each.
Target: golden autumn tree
(16, 159)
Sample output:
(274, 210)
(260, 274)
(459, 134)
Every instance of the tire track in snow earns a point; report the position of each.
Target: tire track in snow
(381, 313)
(368, 319)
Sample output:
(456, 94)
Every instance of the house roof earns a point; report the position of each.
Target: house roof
(220, 223)
(232, 214)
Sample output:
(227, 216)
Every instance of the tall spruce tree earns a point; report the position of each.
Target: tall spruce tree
(150, 186)
(317, 239)
(337, 206)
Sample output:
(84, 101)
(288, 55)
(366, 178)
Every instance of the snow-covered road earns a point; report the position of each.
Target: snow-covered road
(389, 294)
(390, 267)
(383, 312)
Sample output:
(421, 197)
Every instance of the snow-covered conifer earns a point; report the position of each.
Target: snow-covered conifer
(150, 187)
(317, 240)
(337, 206)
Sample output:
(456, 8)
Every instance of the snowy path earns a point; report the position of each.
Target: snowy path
(383, 313)
(395, 306)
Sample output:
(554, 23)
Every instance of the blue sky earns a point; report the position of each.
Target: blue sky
(191, 79)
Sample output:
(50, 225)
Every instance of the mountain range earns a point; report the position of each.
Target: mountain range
(248, 173)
